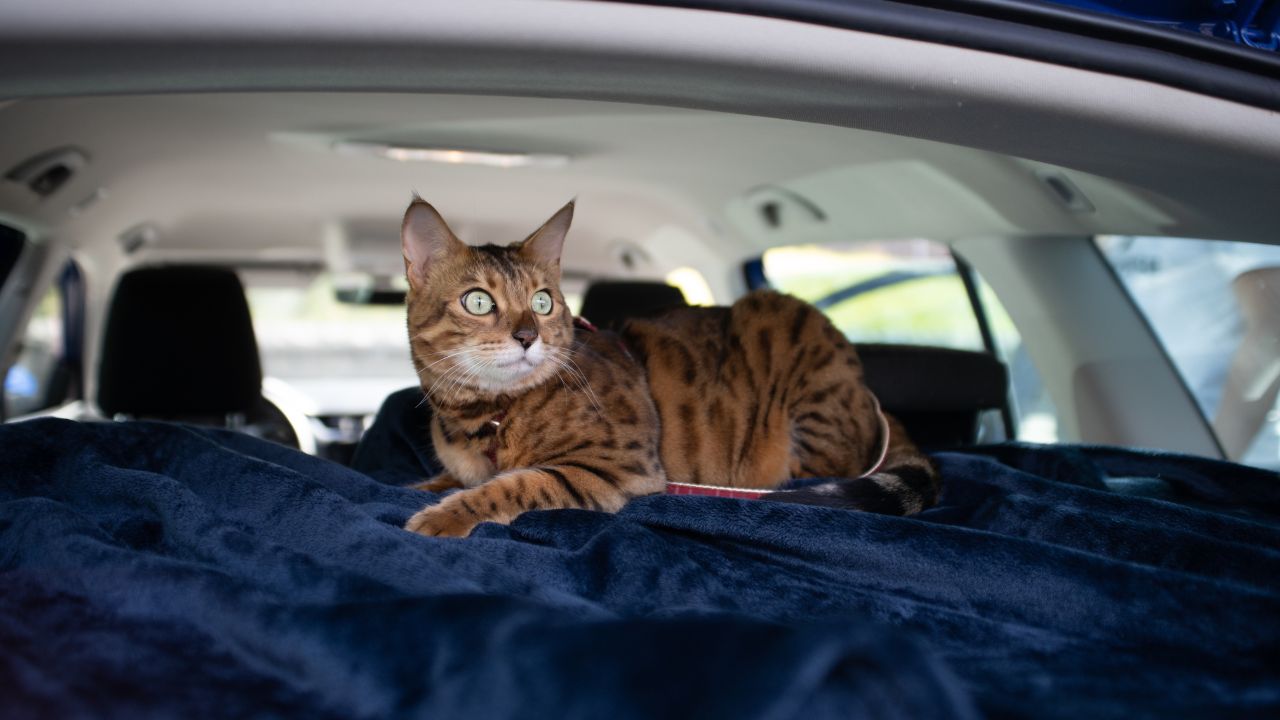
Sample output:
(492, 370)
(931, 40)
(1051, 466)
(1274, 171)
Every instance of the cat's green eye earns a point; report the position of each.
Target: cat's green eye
(478, 302)
(541, 302)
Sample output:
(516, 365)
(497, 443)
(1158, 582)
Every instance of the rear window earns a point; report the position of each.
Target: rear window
(901, 291)
(1215, 307)
(912, 292)
(328, 350)
(332, 357)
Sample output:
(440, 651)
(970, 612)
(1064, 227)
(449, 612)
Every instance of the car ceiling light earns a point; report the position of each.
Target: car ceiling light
(453, 156)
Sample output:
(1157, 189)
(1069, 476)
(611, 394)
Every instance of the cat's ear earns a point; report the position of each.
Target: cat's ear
(544, 245)
(424, 239)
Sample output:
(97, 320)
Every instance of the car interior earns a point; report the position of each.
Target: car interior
(1055, 247)
(298, 185)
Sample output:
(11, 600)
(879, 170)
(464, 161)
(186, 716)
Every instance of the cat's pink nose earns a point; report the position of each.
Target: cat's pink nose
(525, 336)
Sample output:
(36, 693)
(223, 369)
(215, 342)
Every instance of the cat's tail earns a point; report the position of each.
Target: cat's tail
(904, 484)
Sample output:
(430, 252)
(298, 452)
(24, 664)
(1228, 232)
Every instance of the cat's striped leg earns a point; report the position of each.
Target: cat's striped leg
(906, 483)
(590, 486)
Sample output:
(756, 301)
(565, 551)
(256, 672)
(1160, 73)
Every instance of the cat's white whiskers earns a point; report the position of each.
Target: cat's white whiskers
(453, 354)
(442, 376)
(586, 384)
(564, 360)
(551, 358)
(451, 374)
(458, 381)
(479, 370)
(476, 369)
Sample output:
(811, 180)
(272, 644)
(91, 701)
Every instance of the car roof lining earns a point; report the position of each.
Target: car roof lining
(1207, 164)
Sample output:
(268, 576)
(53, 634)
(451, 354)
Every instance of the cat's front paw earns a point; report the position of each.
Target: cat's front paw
(442, 521)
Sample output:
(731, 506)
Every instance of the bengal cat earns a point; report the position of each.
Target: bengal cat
(534, 411)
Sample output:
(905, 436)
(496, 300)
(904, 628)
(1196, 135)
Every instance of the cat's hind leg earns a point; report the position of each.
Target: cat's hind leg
(904, 484)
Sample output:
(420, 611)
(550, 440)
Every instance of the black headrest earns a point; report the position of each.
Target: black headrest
(608, 303)
(179, 341)
(938, 393)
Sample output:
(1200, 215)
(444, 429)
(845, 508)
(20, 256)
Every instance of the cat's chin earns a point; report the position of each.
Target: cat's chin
(514, 378)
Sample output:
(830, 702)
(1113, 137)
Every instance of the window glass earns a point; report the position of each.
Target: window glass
(31, 383)
(911, 292)
(693, 285)
(899, 291)
(328, 357)
(1036, 415)
(1215, 306)
(337, 358)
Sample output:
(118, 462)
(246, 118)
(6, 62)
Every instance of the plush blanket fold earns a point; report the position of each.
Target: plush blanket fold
(157, 570)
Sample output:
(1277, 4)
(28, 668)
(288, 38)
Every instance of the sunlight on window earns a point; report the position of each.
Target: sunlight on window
(693, 285)
(894, 291)
(343, 357)
(910, 291)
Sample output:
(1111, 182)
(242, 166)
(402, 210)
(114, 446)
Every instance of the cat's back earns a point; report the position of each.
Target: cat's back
(762, 335)
(743, 391)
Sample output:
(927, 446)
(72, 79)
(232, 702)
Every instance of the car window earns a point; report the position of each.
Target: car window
(1033, 408)
(339, 358)
(911, 292)
(1215, 307)
(32, 383)
(332, 358)
(900, 291)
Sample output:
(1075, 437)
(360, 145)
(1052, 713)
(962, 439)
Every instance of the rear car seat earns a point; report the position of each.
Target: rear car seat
(180, 346)
(607, 304)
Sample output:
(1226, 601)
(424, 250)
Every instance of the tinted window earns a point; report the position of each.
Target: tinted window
(1215, 307)
(31, 382)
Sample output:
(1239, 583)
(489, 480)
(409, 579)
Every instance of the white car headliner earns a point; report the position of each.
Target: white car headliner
(841, 117)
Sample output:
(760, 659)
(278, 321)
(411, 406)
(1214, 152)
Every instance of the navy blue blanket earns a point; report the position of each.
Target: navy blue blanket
(158, 570)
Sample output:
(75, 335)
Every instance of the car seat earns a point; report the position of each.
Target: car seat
(180, 346)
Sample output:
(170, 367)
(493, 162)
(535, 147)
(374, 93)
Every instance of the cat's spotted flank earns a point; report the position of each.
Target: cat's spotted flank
(532, 412)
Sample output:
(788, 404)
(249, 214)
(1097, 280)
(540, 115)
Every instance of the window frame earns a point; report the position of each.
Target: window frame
(69, 284)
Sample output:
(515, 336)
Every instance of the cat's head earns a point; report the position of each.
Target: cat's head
(484, 320)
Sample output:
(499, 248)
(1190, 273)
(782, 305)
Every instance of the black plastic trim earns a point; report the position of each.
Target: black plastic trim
(11, 244)
(1060, 35)
(969, 278)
